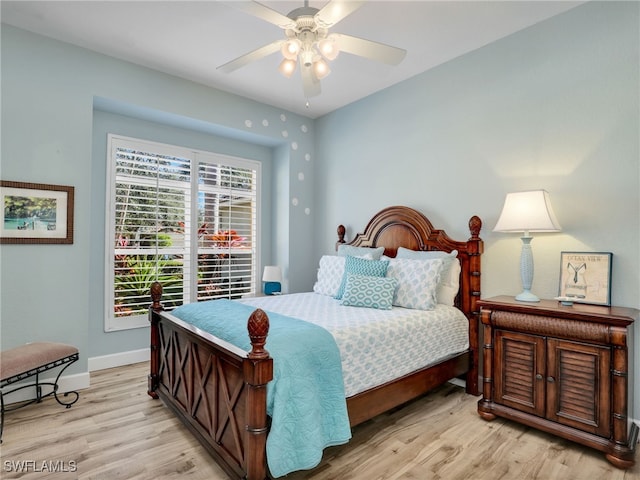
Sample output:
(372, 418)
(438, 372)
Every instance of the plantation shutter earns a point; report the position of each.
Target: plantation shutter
(227, 218)
(193, 229)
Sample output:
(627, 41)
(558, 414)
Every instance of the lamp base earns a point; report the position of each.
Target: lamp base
(526, 271)
(272, 288)
(527, 296)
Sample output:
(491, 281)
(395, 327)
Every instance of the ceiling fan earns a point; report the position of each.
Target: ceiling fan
(308, 41)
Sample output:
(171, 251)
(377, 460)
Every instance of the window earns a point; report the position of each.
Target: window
(185, 218)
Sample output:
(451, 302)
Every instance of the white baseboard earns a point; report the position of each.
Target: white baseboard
(458, 382)
(118, 359)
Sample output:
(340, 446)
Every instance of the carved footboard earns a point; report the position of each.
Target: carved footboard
(216, 389)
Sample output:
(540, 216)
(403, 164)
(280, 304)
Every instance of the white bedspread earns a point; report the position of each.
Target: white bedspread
(376, 346)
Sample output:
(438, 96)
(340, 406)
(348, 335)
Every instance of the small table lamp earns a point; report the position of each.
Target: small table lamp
(272, 278)
(527, 212)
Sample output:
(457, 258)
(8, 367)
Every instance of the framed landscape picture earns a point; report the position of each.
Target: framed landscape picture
(585, 277)
(36, 213)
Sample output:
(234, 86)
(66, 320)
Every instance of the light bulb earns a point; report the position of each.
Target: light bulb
(291, 48)
(287, 67)
(329, 47)
(321, 68)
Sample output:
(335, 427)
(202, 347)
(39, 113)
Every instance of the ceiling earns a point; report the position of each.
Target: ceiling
(189, 39)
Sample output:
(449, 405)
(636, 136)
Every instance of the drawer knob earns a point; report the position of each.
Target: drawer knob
(538, 376)
(551, 379)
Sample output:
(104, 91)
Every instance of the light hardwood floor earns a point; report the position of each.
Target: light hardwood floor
(116, 431)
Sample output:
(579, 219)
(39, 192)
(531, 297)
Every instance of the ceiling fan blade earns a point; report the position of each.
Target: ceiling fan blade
(310, 83)
(251, 57)
(369, 49)
(335, 11)
(263, 12)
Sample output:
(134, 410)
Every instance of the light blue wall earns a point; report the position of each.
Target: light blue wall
(58, 103)
(554, 107)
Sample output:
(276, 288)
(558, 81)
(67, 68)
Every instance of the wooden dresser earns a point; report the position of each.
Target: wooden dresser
(561, 369)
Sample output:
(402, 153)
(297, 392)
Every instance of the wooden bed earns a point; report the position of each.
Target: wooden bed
(219, 391)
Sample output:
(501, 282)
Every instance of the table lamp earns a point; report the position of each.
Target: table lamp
(527, 212)
(272, 279)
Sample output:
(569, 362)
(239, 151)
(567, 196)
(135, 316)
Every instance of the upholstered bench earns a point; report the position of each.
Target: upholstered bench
(31, 360)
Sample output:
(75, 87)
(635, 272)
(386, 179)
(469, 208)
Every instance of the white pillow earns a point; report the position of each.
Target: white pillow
(330, 275)
(344, 250)
(424, 254)
(449, 278)
(449, 284)
(417, 282)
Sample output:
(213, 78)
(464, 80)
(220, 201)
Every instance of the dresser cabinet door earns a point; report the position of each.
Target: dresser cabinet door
(520, 371)
(579, 386)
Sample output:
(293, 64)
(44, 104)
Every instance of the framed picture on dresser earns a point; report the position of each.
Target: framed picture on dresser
(585, 277)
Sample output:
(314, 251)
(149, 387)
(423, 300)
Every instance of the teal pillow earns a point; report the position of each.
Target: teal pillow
(361, 266)
(369, 292)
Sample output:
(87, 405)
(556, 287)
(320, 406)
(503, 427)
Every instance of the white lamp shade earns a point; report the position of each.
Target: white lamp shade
(527, 212)
(291, 48)
(321, 68)
(272, 274)
(329, 47)
(287, 67)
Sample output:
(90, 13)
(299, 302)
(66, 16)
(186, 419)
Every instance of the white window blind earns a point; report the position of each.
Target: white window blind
(226, 215)
(185, 218)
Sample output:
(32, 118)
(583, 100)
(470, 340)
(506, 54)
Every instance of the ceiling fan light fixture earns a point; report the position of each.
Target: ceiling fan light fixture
(308, 42)
(321, 68)
(307, 57)
(287, 67)
(291, 48)
(329, 47)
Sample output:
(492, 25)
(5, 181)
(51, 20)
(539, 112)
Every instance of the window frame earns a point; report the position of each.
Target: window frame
(191, 248)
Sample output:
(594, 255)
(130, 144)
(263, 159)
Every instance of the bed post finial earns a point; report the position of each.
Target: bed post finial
(258, 326)
(155, 291)
(341, 233)
(475, 225)
(156, 296)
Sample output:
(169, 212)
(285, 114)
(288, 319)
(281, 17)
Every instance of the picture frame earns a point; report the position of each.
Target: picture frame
(585, 277)
(36, 213)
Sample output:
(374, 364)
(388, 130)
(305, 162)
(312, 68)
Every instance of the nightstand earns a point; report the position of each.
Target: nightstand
(561, 369)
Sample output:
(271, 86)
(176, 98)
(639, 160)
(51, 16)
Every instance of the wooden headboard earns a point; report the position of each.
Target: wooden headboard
(400, 226)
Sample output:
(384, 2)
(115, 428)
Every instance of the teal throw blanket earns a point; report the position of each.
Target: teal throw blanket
(306, 399)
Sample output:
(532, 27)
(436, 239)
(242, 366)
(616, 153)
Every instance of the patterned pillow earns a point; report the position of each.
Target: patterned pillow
(350, 250)
(330, 273)
(417, 282)
(361, 266)
(369, 292)
(449, 278)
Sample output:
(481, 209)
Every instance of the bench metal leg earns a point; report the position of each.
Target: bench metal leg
(1, 414)
(55, 390)
(67, 361)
